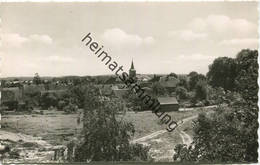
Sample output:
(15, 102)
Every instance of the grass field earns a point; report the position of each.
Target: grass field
(147, 122)
(57, 128)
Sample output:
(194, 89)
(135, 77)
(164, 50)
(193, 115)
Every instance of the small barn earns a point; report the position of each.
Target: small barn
(168, 104)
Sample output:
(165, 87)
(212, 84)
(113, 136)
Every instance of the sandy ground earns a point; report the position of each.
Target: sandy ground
(30, 149)
(162, 149)
(35, 137)
(186, 139)
(16, 137)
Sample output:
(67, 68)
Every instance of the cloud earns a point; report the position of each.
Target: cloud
(222, 24)
(119, 38)
(188, 35)
(198, 24)
(195, 56)
(60, 59)
(13, 39)
(149, 40)
(41, 38)
(16, 40)
(243, 42)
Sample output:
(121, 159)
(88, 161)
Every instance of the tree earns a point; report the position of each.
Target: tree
(222, 73)
(61, 104)
(105, 137)
(247, 74)
(220, 138)
(194, 78)
(184, 82)
(173, 75)
(77, 81)
(201, 90)
(181, 92)
(77, 95)
(36, 79)
(247, 86)
(111, 80)
(229, 134)
(48, 100)
(133, 101)
(71, 108)
(3, 84)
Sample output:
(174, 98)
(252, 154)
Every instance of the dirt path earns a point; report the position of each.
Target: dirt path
(157, 133)
(186, 139)
(192, 109)
(165, 153)
(150, 136)
(168, 152)
(182, 133)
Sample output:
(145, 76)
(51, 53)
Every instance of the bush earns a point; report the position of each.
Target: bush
(71, 108)
(12, 105)
(61, 104)
(48, 100)
(182, 93)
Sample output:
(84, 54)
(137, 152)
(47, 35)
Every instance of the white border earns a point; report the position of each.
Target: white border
(129, 1)
(258, 131)
(47, 1)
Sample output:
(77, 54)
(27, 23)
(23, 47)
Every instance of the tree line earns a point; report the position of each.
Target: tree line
(230, 134)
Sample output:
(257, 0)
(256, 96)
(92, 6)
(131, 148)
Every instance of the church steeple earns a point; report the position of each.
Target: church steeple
(132, 65)
(132, 71)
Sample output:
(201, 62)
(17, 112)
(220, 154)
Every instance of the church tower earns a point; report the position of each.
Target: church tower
(132, 71)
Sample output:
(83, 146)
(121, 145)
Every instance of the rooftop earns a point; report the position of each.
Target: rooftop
(167, 100)
(168, 81)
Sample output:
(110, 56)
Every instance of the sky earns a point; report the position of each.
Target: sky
(161, 38)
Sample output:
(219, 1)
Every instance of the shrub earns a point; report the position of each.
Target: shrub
(71, 108)
(48, 100)
(182, 93)
(61, 104)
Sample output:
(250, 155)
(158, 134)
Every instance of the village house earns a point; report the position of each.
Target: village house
(168, 104)
(169, 82)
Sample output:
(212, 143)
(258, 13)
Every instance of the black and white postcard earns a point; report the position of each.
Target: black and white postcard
(129, 82)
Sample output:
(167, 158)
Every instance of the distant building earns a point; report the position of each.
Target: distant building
(121, 90)
(168, 104)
